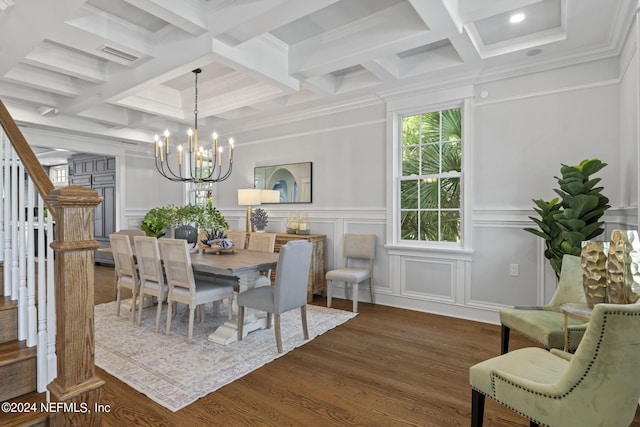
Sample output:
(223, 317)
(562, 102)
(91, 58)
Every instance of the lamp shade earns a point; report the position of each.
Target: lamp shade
(248, 196)
(269, 196)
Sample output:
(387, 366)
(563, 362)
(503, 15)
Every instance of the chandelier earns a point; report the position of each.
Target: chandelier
(197, 163)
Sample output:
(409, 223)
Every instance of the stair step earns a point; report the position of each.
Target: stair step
(37, 418)
(8, 319)
(18, 369)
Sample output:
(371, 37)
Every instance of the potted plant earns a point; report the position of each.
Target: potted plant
(183, 218)
(156, 221)
(574, 217)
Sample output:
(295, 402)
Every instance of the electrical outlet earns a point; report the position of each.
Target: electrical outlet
(513, 270)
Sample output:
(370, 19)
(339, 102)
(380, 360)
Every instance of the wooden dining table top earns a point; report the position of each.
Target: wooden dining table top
(241, 261)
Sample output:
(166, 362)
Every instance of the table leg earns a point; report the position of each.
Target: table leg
(253, 319)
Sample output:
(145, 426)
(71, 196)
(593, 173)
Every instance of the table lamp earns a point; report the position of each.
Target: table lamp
(249, 197)
(269, 196)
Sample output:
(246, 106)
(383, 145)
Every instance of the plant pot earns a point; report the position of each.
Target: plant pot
(186, 232)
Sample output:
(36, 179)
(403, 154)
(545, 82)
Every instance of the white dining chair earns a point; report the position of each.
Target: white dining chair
(357, 248)
(152, 282)
(183, 287)
(126, 270)
(288, 293)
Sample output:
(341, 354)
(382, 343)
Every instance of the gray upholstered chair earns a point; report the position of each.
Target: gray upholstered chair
(599, 385)
(357, 247)
(126, 270)
(289, 291)
(183, 287)
(151, 274)
(545, 324)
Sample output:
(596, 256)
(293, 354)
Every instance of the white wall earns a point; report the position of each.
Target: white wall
(522, 131)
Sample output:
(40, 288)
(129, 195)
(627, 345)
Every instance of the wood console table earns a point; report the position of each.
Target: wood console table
(317, 282)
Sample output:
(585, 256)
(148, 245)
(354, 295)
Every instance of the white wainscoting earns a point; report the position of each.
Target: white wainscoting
(471, 285)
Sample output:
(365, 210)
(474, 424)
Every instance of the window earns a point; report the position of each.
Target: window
(58, 175)
(430, 176)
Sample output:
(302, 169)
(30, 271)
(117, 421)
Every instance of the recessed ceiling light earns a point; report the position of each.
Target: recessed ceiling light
(516, 17)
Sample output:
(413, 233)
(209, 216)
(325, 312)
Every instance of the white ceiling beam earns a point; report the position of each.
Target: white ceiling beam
(322, 85)
(386, 32)
(274, 17)
(127, 37)
(55, 58)
(44, 80)
(239, 98)
(442, 17)
(107, 114)
(189, 16)
(20, 38)
(27, 95)
(73, 125)
(230, 14)
(386, 68)
(475, 10)
(263, 57)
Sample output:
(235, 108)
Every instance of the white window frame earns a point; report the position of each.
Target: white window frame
(424, 103)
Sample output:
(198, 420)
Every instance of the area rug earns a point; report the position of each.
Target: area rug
(174, 373)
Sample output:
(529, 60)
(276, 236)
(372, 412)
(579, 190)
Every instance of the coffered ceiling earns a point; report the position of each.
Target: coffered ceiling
(122, 69)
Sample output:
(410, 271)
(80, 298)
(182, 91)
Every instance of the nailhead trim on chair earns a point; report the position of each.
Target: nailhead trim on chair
(589, 366)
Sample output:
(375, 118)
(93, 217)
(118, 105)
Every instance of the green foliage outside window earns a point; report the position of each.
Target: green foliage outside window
(430, 194)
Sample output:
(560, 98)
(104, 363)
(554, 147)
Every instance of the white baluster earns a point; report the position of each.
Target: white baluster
(43, 362)
(32, 323)
(6, 220)
(51, 304)
(15, 278)
(22, 256)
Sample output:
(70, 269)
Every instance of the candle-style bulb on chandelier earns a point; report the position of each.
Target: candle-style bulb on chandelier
(197, 162)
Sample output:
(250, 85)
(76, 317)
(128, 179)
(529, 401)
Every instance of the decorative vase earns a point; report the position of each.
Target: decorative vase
(623, 280)
(186, 232)
(593, 259)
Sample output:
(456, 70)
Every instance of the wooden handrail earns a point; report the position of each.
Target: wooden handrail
(30, 162)
(74, 245)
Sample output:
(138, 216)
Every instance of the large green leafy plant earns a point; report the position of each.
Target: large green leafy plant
(574, 217)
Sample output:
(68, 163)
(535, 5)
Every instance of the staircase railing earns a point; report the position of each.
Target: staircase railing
(64, 276)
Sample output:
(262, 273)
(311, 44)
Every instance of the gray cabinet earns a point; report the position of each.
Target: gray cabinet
(99, 174)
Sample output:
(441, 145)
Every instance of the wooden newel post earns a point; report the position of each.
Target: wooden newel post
(76, 391)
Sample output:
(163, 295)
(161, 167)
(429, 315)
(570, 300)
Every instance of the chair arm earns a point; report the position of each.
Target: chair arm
(529, 307)
(562, 354)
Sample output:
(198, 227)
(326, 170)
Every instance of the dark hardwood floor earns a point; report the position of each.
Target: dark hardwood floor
(386, 367)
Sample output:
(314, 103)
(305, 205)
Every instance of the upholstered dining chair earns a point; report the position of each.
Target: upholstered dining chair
(263, 242)
(151, 274)
(599, 385)
(239, 238)
(131, 232)
(357, 248)
(126, 270)
(288, 293)
(545, 324)
(183, 287)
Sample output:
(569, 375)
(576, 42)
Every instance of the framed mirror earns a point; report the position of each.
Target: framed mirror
(292, 180)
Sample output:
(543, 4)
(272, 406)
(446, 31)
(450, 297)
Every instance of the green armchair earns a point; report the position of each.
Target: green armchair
(599, 385)
(545, 324)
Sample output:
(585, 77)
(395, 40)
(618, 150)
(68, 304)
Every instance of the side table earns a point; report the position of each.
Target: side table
(575, 310)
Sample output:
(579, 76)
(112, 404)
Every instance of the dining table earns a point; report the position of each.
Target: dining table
(243, 264)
